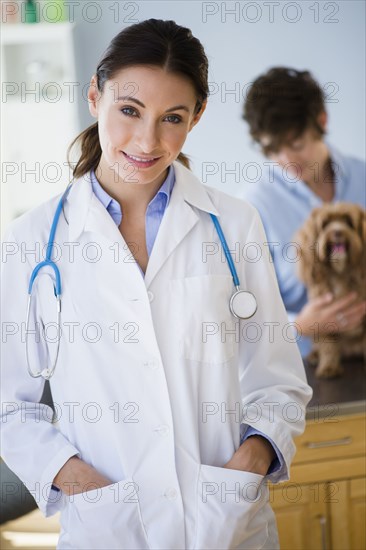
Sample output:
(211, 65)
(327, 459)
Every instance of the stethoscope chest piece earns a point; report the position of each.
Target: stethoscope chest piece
(243, 304)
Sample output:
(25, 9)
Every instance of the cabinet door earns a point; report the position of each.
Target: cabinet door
(301, 514)
(348, 513)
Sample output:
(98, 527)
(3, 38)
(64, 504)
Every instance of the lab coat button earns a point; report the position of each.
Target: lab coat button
(162, 430)
(150, 295)
(153, 365)
(171, 494)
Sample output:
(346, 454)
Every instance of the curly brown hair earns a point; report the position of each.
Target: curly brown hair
(281, 105)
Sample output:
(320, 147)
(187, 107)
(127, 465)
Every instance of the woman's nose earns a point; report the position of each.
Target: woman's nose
(148, 139)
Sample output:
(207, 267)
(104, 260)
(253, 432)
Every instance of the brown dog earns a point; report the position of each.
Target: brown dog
(332, 242)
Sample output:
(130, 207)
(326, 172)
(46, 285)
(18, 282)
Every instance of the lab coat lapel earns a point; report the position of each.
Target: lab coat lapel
(179, 218)
(77, 206)
(87, 213)
(101, 222)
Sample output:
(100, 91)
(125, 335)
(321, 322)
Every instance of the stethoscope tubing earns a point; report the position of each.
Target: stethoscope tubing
(47, 373)
(229, 258)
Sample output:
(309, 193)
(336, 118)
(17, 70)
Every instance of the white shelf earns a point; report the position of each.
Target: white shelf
(23, 33)
(36, 131)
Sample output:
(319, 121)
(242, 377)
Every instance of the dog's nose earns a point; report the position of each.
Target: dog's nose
(337, 233)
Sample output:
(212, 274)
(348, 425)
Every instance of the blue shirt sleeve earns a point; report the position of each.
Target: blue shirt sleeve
(278, 464)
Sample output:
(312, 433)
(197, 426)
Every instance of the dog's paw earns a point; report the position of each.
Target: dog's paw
(328, 371)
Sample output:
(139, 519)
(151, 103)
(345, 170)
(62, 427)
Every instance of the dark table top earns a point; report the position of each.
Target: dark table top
(344, 393)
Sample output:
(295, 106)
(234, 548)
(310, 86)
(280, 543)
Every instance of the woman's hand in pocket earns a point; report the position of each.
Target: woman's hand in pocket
(76, 476)
(254, 455)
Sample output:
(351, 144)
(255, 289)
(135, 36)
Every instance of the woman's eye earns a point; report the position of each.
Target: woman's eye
(173, 118)
(129, 111)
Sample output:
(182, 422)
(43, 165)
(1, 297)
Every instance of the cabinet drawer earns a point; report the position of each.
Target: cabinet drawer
(328, 438)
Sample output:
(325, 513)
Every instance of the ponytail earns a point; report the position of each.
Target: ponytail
(90, 151)
(183, 159)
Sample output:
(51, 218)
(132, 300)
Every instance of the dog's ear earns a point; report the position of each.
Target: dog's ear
(354, 212)
(361, 227)
(306, 238)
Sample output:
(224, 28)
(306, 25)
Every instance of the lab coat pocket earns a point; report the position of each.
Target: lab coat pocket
(203, 321)
(108, 517)
(231, 509)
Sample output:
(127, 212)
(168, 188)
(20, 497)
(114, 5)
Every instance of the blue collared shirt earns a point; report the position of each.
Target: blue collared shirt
(284, 205)
(154, 215)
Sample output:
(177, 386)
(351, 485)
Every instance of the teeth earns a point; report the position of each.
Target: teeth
(141, 160)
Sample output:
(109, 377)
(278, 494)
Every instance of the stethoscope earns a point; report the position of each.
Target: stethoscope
(242, 304)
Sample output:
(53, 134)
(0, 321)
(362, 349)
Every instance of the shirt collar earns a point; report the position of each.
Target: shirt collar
(82, 204)
(108, 201)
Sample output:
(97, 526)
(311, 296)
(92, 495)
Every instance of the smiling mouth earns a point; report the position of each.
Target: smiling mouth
(141, 162)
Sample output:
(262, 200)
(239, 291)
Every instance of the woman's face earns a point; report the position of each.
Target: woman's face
(144, 116)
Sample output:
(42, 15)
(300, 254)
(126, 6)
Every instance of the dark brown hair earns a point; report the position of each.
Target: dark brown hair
(152, 42)
(281, 104)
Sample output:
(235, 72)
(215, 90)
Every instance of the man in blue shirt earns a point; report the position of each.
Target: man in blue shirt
(285, 110)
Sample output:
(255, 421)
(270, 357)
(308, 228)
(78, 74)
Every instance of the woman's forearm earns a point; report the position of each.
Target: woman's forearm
(76, 476)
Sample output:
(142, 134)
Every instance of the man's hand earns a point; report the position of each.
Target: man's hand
(76, 476)
(331, 315)
(255, 455)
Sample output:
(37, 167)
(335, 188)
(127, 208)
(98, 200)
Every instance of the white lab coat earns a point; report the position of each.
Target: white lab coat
(151, 387)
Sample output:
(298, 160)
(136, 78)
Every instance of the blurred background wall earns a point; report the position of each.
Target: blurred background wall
(242, 40)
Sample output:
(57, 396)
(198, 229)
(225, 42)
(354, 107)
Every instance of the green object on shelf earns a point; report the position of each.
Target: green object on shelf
(30, 12)
(54, 11)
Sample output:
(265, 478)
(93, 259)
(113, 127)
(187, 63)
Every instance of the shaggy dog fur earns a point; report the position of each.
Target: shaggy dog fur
(332, 242)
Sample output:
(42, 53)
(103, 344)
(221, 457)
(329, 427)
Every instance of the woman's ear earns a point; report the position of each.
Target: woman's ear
(197, 116)
(93, 96)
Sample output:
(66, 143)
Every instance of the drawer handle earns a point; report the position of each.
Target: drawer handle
(323, 528)
(331, 443)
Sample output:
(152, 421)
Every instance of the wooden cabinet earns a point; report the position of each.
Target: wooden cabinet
(348, 514)
(323, 505)
(301, 514)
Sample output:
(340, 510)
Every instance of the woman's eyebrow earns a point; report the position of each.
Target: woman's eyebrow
(130, 98)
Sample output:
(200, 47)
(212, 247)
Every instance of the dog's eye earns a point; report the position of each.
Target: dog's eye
(347, 218)
(324, 223)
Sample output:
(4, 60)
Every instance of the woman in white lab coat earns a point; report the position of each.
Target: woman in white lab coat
(171, 413)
